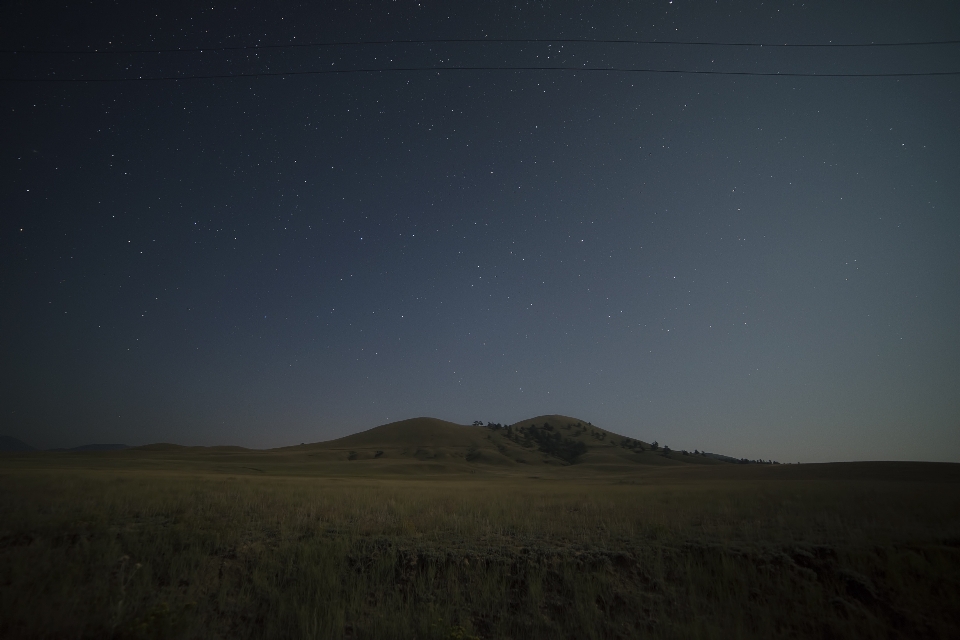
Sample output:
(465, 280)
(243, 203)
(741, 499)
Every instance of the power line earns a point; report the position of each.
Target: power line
(488, 40)
(269, 74)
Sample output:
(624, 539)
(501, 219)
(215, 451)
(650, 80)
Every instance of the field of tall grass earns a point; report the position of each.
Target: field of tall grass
(122, 553)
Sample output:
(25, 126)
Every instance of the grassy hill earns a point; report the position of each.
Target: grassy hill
(419, 446)
(547, 440)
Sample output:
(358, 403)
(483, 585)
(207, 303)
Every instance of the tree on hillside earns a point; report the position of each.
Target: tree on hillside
(548, 441)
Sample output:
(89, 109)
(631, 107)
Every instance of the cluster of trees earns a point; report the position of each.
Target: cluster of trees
(547, 439)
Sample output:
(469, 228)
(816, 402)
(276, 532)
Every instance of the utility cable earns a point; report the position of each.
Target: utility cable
(274, 74)
(924, 43)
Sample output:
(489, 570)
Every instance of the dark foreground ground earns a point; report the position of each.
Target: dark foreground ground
(174, 546)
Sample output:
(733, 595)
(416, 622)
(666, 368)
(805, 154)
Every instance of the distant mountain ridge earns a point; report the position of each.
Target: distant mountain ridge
(94, 447)
(9, 444)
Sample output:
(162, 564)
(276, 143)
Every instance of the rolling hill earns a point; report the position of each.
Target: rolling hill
(421, 446)
(552, 440)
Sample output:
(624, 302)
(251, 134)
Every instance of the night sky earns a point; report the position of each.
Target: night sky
(758, 266)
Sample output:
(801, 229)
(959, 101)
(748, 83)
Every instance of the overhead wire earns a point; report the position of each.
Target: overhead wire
(345, 43)
(273, 47)
(224, 76)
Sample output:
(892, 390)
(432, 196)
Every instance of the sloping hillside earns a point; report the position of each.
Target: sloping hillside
(595, 445)
(415, 432)
(553, 440)
(418, 438)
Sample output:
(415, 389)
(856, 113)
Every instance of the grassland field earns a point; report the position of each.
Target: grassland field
(308, 542)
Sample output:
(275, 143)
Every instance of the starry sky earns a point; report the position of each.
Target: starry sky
(766, 267)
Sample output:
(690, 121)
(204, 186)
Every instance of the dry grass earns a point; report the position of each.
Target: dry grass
(704, 552)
